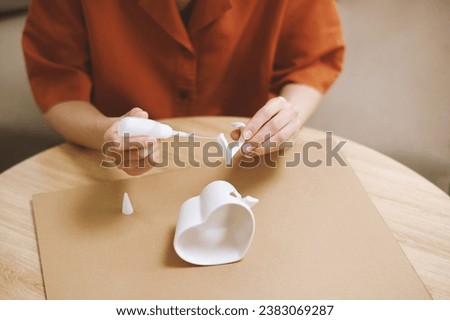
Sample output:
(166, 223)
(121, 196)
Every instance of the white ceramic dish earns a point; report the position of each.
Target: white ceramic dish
(215, 227)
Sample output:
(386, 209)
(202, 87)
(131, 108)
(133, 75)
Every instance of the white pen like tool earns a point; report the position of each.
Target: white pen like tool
(147, 127)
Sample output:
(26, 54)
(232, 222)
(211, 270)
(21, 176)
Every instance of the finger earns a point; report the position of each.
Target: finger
(270, 109)
(140, 163)
(151, 150)
(282, 139)
(129, 142)
(137, 112)
(138, 148)
(135, 163)
(136, 171)
(155, 156)
(140, 158)
(137, 143)
(273, 126)
(111, 134)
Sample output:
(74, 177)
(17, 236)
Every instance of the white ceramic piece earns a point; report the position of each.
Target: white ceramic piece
(215, 227)
(127, 208)
(241, 139)
(230, 149)
(223, 143)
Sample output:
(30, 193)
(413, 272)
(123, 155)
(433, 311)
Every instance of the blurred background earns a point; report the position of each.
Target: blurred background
(393, 95)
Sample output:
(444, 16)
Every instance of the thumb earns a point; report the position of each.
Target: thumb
(136, 112)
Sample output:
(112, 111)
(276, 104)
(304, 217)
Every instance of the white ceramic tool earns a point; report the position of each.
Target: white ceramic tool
(140, 126)
(215, 227)
(147, 127)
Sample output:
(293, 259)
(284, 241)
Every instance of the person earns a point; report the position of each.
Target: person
(91, 62)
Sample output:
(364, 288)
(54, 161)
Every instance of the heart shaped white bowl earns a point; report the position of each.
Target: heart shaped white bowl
(215, 227)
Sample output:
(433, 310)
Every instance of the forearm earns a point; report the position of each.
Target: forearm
(304, 97)
(79, 122)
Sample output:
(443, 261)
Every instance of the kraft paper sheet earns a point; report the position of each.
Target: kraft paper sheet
(317, 236)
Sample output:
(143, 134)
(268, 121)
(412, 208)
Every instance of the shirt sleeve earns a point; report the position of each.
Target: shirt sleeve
(310, 48)
(56, 53)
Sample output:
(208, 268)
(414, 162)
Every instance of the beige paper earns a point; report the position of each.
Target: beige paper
(317, 236)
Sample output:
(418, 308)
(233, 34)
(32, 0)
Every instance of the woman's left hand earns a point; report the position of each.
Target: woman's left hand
(277, 122)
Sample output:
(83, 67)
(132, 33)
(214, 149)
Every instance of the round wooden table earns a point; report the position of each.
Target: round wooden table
(415, 210)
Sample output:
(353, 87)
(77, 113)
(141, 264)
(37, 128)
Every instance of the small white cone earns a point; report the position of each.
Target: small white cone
(127, 208)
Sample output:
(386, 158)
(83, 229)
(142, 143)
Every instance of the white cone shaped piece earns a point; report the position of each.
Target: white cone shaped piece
(127, 208)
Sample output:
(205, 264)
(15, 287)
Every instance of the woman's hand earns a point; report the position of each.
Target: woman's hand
(137, 153)
(81, 123)
(278, 121)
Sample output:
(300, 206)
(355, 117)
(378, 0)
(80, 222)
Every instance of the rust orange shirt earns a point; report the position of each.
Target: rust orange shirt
(229, 58)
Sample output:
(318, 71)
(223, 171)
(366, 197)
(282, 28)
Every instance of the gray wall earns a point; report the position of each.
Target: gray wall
(23, 132)
(393, 95)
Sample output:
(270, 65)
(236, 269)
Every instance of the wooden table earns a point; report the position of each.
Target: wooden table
(415, 210)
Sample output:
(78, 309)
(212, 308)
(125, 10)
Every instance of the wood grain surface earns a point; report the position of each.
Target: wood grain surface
(416, 211)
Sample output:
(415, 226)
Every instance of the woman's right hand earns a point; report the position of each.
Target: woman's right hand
(134, 155)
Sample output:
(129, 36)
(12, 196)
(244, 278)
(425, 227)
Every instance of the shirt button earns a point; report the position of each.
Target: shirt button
(184, 95)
